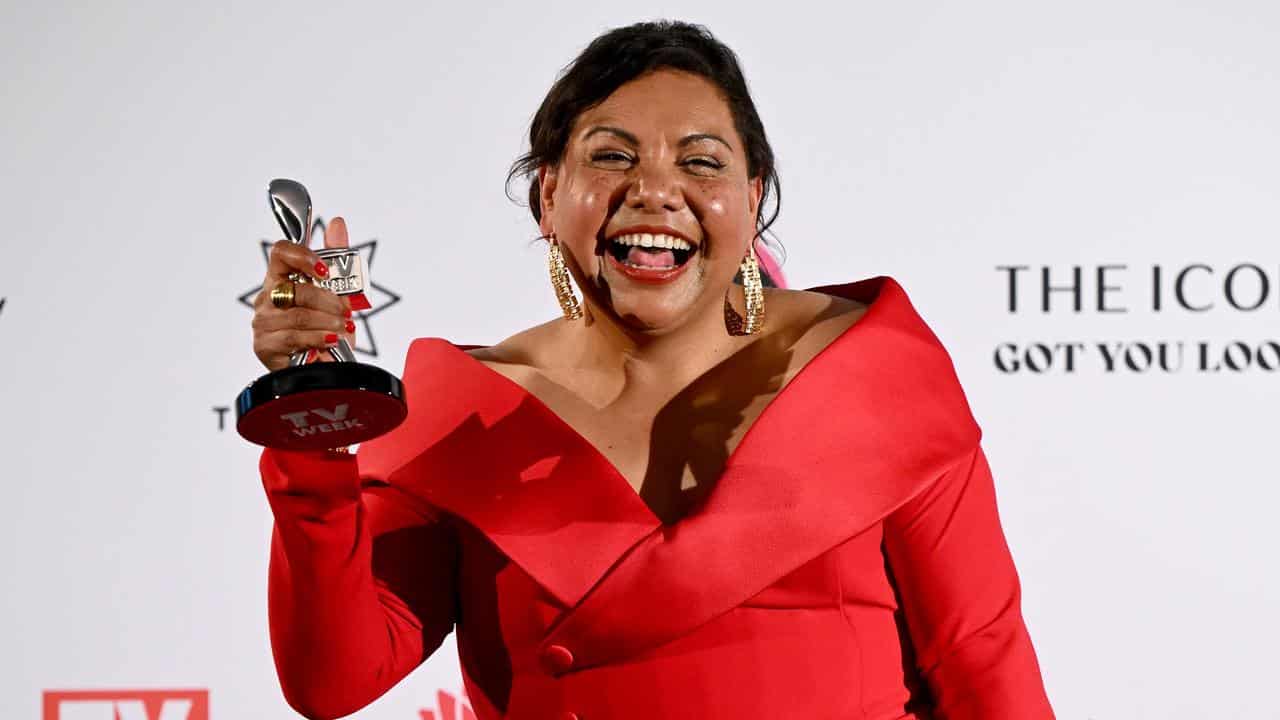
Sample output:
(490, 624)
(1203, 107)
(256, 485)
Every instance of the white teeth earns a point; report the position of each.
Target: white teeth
(649, 240)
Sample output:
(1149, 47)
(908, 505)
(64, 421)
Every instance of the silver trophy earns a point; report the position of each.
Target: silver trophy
(311, 406)
(291, 204)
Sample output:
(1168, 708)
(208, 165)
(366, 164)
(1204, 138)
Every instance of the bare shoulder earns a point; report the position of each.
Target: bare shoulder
(806, 314)
(518, 353)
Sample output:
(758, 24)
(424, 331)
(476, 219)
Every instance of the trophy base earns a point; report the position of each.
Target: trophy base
(320, 405)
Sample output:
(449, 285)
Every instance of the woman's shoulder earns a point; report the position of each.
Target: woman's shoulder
(810, 308)
(518, 356)
(886, 324)
(511, 350)
(882, 299)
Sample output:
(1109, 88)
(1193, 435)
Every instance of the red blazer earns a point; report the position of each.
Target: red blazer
(849, 563)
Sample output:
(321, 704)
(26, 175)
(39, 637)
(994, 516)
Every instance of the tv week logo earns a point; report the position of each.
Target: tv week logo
(126, 705)
(304, 424)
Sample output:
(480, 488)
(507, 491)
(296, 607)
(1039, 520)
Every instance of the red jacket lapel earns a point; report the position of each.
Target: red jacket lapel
(868, 424)
(491, 454)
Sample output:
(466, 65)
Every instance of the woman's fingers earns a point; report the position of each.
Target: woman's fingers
(335, 233)
(335, 236)
(318, 317)
(305, 296)
(274, 348)
(286, 257)
(317, 314)
(300, 318)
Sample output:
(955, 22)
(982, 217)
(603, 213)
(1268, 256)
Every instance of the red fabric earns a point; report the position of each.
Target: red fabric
(849, 562)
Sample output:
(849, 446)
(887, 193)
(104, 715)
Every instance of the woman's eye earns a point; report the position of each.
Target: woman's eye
(610, 156)
(706, 162)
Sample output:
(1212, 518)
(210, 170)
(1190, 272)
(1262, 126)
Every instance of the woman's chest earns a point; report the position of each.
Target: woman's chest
(670, 447)
(669, 433)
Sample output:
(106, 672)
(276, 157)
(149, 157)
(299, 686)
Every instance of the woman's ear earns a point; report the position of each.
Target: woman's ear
(547, 177)
(755, 188)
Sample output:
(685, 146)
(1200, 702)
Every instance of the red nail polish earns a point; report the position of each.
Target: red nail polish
(346, 314)
(330, 339)
(351, 327)
(321, 269)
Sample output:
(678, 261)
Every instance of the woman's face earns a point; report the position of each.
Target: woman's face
(658, 162)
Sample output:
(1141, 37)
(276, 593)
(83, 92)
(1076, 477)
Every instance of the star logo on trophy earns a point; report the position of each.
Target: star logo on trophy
(380, 298)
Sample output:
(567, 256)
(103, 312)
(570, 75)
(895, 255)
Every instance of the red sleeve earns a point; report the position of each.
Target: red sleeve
(361, 581)
(962, 600)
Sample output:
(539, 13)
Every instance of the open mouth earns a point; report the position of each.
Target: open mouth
(651, 252)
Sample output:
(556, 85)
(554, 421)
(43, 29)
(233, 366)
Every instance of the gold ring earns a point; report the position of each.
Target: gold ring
(282, 295)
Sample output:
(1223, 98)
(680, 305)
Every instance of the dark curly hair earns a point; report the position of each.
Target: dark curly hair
(623, 54)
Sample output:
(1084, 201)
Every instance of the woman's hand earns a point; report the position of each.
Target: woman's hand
(318, 317)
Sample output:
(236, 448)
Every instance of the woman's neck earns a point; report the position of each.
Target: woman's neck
(601, 342)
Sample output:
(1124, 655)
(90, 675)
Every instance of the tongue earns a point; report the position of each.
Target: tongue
(651, 257)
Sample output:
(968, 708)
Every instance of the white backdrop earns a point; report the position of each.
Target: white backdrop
(934, 142)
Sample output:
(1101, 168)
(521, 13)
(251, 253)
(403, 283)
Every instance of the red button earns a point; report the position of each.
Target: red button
(557, 659)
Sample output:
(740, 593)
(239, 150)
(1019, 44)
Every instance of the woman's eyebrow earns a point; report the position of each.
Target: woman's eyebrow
(623, 134)
(634, 141)
(695, 137)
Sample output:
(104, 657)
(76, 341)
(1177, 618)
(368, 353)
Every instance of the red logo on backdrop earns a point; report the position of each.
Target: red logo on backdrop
(126, 705)
(450, 708)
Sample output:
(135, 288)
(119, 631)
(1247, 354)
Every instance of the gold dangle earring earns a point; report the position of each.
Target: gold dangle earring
(560, 280)
(753, 295)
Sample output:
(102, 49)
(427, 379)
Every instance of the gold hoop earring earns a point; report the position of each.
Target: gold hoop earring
(560, 281)
(752, 293)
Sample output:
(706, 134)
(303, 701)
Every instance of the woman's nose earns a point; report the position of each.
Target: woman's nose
(655, 189)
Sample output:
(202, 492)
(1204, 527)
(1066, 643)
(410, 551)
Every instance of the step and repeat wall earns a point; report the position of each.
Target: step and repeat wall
(1081, 200)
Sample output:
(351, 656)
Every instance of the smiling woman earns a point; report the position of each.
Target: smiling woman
(665, 503)
(645, 169)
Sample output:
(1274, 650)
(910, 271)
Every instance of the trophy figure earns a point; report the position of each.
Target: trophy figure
(318, 405)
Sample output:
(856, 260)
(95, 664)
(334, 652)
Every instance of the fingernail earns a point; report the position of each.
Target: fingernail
(351, 327)
(346, 313)
(330, 339)
(321, 269)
